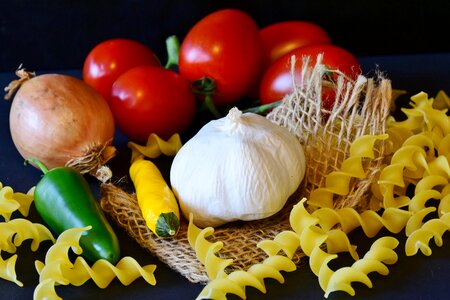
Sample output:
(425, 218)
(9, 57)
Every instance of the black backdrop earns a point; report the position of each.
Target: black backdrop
(58, 34)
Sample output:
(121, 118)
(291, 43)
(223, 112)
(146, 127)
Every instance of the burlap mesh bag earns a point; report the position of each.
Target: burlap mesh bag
(363, 107)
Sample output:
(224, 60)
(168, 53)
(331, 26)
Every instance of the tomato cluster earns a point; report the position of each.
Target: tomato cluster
(223, 58)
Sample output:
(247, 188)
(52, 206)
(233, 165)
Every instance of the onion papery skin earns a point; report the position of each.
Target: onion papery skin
(57, 119)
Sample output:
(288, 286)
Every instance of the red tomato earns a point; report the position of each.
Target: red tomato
(282, 37)
(150, 99)
(277, 80)
(111, 58)
(226, 47)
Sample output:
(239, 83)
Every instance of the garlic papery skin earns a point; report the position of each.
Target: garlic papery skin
(240, 167)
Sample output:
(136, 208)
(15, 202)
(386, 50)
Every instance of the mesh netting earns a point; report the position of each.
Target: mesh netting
(362, 107)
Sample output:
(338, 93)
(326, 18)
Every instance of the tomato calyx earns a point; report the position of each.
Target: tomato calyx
(206, 87)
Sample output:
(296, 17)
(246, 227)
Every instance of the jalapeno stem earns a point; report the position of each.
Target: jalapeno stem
(38, 163)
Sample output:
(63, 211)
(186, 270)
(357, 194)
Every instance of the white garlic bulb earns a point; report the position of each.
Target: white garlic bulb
(240, 167)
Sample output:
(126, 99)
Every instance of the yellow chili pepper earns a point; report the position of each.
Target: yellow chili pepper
(155, 198)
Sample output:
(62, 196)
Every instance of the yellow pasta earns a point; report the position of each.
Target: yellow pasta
(313, 236)
(393, 219)
(46, 290)
(408, 159)
(156, 146)
(8, 269)
(397, 136)
(11, 201)
(444, 205)
(424, 117)
(420, 238)
(423, 160)
(234, 283)
(338, 182)
(12, 234)
(381, 252)
(286, 241)
(58, 269)
(442, 101)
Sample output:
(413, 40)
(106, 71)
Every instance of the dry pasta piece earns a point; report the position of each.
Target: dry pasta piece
(11, 201)
(348, 219)
(25, 230)
(58, 268)
(439, 166)
(338, 182)
(420, 238)
(441, 101)
(397, 136)
(286, 241)
(236, 281)
(222, 283)
(156, 146)
(8, 269)
(444, 205)
(407, 158)
(313, 236)
(393, 219)
(416, 220)
(12, 234)
(381, 252)
(103, 272)
(424, 117)
(206, 251)
(46, 290)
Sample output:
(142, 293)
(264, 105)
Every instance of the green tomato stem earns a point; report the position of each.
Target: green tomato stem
(209, 104)
(173, 52)
(38, 163)
(262, 109)
(207, 87)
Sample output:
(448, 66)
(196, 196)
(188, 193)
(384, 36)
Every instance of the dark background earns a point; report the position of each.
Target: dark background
(44, 34)
(58, 34)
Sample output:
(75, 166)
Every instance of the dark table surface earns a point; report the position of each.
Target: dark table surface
(416, 277)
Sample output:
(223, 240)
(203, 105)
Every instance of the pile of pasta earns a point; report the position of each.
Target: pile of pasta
(58, 269)
(365, 170)
(415, 176)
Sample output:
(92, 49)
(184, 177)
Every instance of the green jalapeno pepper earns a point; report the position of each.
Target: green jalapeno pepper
(64, 199)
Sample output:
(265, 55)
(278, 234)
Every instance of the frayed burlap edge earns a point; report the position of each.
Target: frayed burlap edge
(361, 108)
(326, 136)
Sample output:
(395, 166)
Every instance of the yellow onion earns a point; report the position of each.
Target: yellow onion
(60, 120)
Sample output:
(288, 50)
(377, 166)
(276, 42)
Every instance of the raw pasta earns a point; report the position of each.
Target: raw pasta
(156, 146)
(11, 201)
(393, 219)
(313, 236)
(8, 269)
(58, 269)
(12, 234)
(420, 238)
(338, 182)
(234, 283)
(381, 253)
(421, 159)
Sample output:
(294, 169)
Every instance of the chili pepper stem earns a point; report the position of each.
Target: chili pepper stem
(38, 163)
(173, 52)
